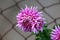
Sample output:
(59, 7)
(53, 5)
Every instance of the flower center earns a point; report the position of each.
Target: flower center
(58, 37)
(26, 23)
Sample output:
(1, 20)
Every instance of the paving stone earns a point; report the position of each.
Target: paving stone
(19, 0)
(12, 35)
(58, 21)
(11, 14)
(6, 3)
(0, 35)
(48, 2)
(25, 34)
(4, 25)
(29, 3)
(51, 25)
(54, 11)
(32, 37)
(47, 18)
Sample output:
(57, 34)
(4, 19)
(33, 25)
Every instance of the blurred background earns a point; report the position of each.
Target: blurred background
(10, 8)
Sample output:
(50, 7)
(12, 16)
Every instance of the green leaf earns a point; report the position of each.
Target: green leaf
(38, 39)
(59, 24)
(44, 35)
(45, 26)
(33, 33)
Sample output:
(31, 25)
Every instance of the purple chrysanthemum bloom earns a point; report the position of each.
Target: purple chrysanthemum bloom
(30, 20)
(55, 34)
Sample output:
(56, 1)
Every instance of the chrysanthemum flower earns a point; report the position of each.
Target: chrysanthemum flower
(55, 34)
(30, 20)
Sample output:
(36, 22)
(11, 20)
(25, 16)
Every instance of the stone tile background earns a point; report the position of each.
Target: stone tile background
(10, 8)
